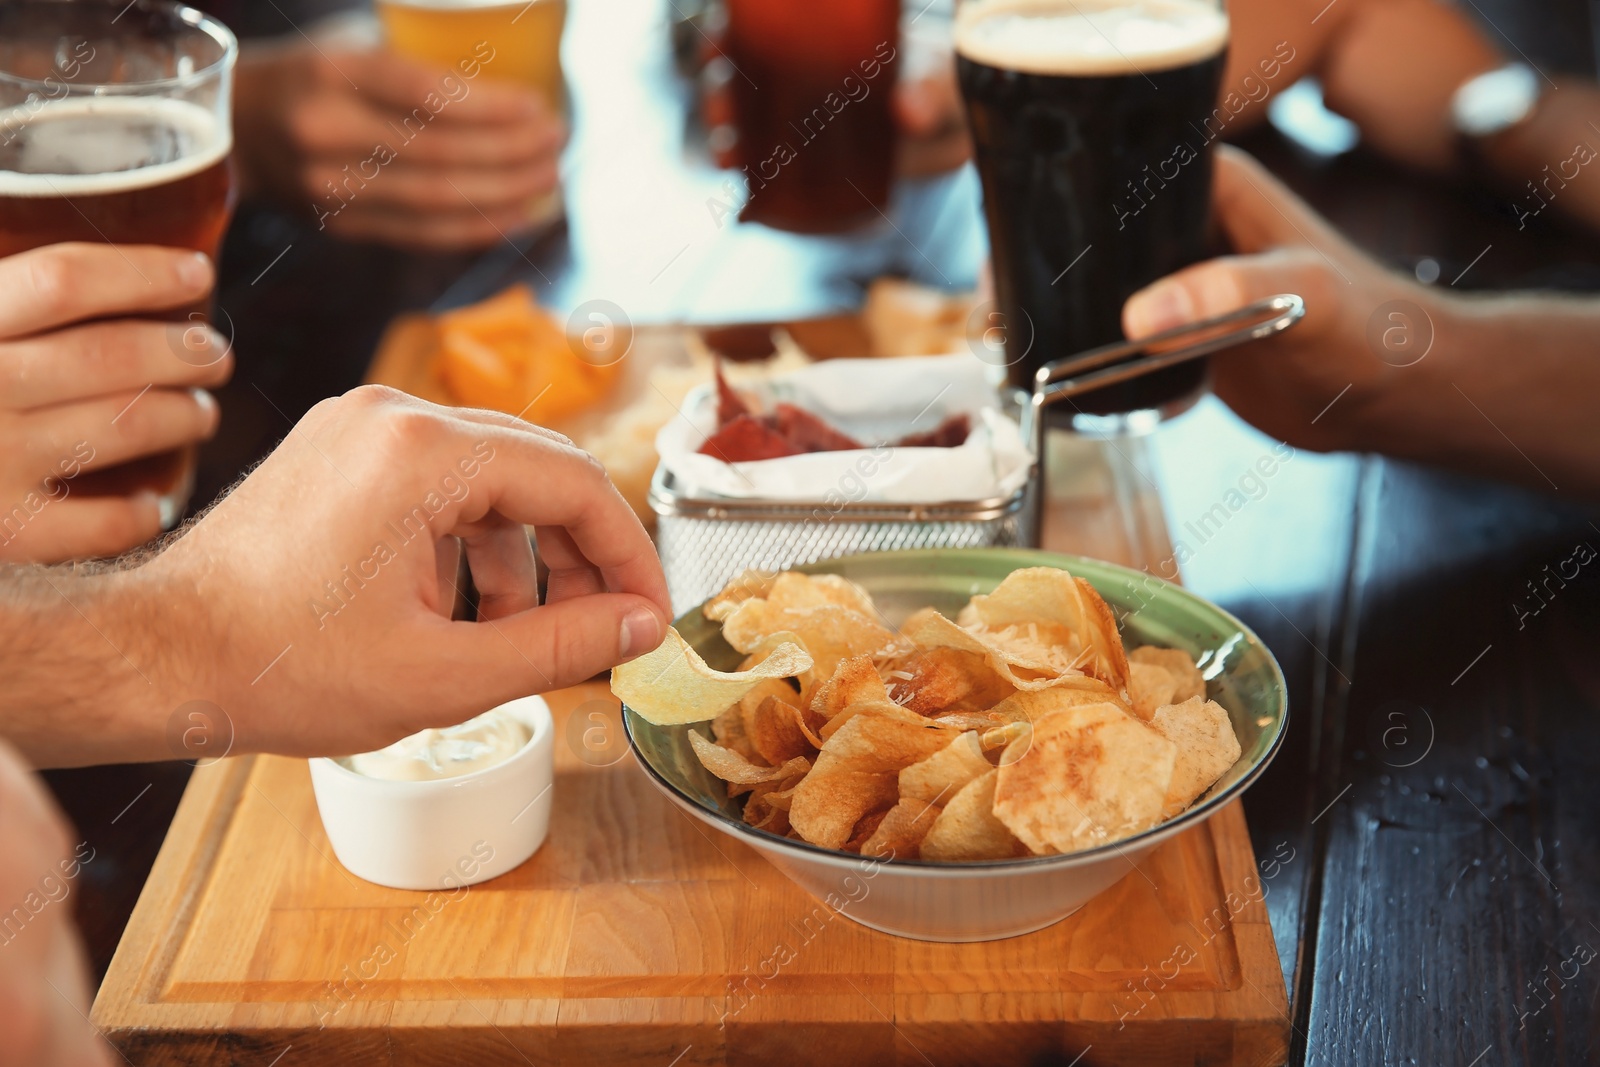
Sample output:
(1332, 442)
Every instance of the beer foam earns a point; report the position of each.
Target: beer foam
(36, 137)
(1090, 37)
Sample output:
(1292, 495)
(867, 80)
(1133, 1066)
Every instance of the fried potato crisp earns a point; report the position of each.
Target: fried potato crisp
(1022, 661)
(1023, 729)
(673, 685)
(854, 681)
(1088, 775)
(1060, 610)
(882, 709)
(732, 767)
(946, 680)
(901, 830)
(1207, 747)
(828, 632)
(777, 728)
(1033, 706)
(968, 830)
(1150, 686)
(789, 589)
(857, 772)
(940, 776)
(1177, 663)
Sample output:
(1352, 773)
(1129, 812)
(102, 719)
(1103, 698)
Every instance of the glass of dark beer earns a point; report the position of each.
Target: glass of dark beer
(1092, 124)
(115, 127)
(811, 86)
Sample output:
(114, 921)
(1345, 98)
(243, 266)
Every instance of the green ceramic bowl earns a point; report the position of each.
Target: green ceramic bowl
(942, 901)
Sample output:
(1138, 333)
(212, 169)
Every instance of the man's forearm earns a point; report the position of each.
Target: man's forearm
(1510, 388)
(85, 669)
(1550, 164)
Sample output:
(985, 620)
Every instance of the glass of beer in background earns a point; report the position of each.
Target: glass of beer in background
(115, 127)
(811, 87)
(525, 36)
(1092, 124)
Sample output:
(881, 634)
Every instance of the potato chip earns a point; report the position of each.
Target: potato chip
(1024, 663)
(901, 830)
(864, 829)
(1087, 775)
(1054, 603)
(673, 685)
(776, 731)
(781, 798)
(857, 772)
(946, 680)
(967, 829)
(940, 776)
(764, 811)
(1207, 747)
(1179, 664)
(997, 739)
(750, 585)
(729, 732)
(791, 589)
(883, 708)
(889, 745)
(1150, 685)
(969, 720)
(1033, 706)
(829, 633)
(854, 681)
(767, 687)
(732, 767)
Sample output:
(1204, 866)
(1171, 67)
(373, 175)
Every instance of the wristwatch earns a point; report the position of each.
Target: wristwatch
(1495, 101)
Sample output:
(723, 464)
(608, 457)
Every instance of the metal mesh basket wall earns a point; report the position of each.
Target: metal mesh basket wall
(700, 555)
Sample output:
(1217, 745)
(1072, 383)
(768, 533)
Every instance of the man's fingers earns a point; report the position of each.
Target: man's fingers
(421, 191)
(104, 358)
(557, 645)
(501, 560)
(1219, 286)
(542, 482)
(60, 284)
(515, 144)
(348, 129)
(77, 527)
(1258, 212)
(433, 94)
(570, 574)
(118, 428)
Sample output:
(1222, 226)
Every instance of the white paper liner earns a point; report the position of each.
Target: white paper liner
(873, 400)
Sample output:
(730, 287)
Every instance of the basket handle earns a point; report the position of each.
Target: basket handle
(1114, 363)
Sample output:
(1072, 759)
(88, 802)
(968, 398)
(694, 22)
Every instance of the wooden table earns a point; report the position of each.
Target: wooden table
(1431, 817)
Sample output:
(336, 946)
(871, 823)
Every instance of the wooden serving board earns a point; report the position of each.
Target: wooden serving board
(635, 935)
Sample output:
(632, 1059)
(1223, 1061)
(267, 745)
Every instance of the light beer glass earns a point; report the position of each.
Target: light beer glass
(115, 127)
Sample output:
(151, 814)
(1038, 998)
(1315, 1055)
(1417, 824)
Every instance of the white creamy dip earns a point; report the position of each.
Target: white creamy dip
(491, 738)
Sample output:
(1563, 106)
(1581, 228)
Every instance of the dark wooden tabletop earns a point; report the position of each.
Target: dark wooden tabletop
(1428, 842)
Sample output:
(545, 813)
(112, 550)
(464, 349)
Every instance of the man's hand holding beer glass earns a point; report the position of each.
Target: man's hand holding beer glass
(1502, 384)
(86, 385)
(381, 147)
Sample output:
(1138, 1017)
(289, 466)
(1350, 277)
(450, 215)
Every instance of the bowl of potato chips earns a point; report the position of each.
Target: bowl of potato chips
(954, 744)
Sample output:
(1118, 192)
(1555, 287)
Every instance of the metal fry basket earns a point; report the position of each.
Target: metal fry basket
(705, 541)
